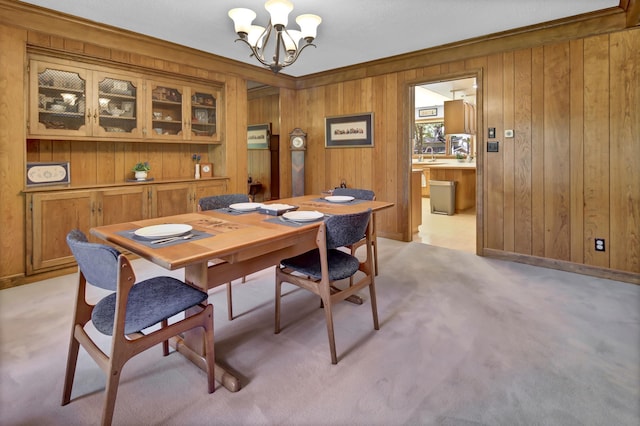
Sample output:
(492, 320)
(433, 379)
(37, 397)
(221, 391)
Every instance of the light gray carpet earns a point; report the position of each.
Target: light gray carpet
(464, 340)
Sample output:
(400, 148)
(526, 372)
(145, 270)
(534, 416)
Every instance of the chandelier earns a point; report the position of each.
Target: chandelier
(284, 43)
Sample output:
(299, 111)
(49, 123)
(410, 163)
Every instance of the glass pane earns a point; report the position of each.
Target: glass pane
(167, 110)
(61, 99)
(460, 144)
(203, 114)
(118, 107)
(430, 138)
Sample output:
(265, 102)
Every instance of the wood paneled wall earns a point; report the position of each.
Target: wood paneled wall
(570, 174)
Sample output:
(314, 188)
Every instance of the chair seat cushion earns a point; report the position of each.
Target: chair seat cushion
(341, 265)
(150, 301)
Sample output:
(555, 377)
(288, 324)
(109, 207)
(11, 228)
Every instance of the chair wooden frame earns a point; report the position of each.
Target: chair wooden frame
(125, 347)
(374, 236)
(329, 294)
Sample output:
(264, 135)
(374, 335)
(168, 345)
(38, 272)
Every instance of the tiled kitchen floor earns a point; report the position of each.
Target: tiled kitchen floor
(457, 232)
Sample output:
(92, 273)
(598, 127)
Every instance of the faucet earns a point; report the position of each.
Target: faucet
(433, 157)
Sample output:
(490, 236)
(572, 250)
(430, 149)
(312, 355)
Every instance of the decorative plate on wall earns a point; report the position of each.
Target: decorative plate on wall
(48, 174)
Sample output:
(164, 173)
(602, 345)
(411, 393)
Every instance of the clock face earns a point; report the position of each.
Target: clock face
(206, 168)
(297, 142)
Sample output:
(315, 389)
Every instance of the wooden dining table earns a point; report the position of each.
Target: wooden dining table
(225, 245)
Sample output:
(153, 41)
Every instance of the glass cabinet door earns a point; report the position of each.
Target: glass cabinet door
(117, 109)
(58, 100)
(204, 118)
(166, 111)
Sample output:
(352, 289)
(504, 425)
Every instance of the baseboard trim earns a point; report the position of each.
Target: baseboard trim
(562, 265)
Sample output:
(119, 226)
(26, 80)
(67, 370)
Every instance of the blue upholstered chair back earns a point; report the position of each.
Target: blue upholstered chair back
(98, 262)
(346, 229)
(360, 194)
(221, 201)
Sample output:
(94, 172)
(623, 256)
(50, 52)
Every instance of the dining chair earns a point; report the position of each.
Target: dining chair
(127, 313)
(319, 269)
(363, 194)
(214, 202)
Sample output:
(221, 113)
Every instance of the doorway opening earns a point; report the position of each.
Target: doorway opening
(444, 146)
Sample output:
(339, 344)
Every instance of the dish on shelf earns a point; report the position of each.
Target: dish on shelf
(58, 108)
(245, 207)
(163, 231)
(303, 216)
(339, 198)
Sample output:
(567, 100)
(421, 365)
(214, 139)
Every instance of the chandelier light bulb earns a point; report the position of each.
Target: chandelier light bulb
(291, 39)
(308, 26)
(279, 11)
(242, 19)
(256, 36)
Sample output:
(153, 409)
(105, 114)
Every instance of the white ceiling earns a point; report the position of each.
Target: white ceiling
(352, 31)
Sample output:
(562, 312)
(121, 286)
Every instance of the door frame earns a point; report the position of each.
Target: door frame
(408, 134)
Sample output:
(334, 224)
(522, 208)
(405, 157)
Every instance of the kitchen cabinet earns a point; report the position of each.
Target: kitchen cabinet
(52, 214)
(459, 117)
(183, 112)
(69, 100)
(416, 200)
(465, 176)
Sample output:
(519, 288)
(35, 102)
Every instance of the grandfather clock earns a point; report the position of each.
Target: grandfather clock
(298, 145)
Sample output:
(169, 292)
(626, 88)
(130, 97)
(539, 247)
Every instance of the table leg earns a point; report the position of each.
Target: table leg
(191, 343)
(225, 378)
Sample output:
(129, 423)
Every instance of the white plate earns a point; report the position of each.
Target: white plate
(245, 207)
(163, 231)
(303, 216)
(339, 198)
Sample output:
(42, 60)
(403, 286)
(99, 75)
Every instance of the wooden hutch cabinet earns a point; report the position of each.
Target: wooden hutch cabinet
(75, 101)
(52, 214)
(183, 112)
(85, 108)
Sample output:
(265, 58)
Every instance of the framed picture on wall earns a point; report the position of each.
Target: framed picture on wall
(258, 136)
(428, 112)
(348, 131)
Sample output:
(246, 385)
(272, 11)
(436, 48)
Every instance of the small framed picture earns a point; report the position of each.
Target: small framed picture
(258, 136)
(428, 112)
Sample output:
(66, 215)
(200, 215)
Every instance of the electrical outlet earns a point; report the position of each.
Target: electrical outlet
(599, 242)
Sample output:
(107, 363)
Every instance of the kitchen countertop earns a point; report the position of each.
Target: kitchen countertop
(445, 164)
